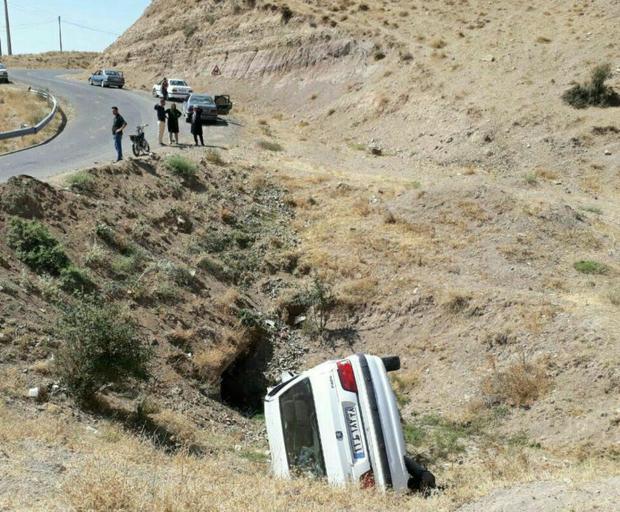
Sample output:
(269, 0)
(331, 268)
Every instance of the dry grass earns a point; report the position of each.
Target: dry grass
(19, 108)
(209, 363)
(227, 301)
(232, 477)
(56, 60)
(520, 384)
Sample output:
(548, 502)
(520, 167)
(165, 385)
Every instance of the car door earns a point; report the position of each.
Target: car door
(97, 77)
(223, 103)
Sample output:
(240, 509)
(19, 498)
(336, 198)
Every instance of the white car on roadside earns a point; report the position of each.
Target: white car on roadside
(340, 421)
(178, 89)
(4, 74)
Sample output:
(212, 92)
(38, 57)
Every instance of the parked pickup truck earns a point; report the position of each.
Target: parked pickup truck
(340, 420)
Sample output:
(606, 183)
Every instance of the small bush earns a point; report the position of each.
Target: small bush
(319, 300)
(190, 30)
(590, 267)
(214, 267)
(214, 157)
(595, 93)
(441, 438)
(269, 146)
(112, 239)
(181, 167)
(286, 14)
(83, 182)
(36, 247)
(75, 280)
(100, 346)
(518, 385)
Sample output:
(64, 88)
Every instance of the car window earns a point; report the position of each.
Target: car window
(109, 72)
(301, 430)
(2, 66)
(177, 82)
(202, 100)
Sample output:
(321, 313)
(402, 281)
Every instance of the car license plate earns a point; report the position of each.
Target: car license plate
(355, 434)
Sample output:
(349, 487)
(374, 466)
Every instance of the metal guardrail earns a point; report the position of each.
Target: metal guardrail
(20, 132)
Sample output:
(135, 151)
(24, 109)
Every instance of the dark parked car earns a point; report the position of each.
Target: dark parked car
(107, 78)
(212, 106)
(4, 74)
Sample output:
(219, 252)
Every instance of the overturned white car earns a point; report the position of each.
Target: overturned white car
(340, 420)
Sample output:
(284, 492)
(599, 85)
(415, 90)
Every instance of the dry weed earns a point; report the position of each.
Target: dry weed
(520, 384)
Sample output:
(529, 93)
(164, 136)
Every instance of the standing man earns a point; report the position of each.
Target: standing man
(118, 125)
(164, 88)
(161, 119)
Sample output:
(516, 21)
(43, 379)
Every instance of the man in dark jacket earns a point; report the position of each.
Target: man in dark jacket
(161, 119)
(118, 125)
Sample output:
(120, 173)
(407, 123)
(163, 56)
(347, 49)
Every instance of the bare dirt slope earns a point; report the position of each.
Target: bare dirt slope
(503, 187)
(430, 177)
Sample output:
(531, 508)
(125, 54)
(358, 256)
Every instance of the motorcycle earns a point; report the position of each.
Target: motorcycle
(139, 145)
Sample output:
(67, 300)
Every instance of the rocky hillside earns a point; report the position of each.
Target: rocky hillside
(415, 163)
(432, 83)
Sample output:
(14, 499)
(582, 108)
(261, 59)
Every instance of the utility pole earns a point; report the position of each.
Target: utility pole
(8, 28)
(60, 34)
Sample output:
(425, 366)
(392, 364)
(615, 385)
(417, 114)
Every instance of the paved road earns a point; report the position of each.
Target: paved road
(87, 138)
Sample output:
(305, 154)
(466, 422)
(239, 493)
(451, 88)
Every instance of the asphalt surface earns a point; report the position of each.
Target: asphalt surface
(87, 137)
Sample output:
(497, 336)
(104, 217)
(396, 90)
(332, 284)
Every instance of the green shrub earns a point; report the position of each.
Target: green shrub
(100, 346)
(214, 267)
(595, 93)
(440, 437)
(319, 301)
(181, 167)
(36, 247)
(82, 181)
(590, 267)
(75, 280)
(190, 30)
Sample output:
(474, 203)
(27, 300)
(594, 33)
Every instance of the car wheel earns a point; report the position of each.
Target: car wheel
(391, 363)
(120, 86)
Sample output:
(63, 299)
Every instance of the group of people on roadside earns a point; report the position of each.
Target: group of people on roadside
(166, 117)
(169, 117)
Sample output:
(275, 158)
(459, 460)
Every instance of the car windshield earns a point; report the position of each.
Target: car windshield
(178, 82)
(301, 430)
(111, 72)
(202, 100)
(2, 66)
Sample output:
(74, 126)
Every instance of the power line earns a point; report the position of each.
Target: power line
(89, 28)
